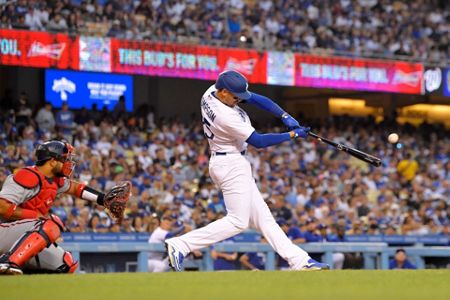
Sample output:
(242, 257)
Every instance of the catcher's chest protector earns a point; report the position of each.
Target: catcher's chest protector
(31, 178)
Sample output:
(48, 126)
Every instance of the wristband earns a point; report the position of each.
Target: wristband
(87, 193)
(79, 190)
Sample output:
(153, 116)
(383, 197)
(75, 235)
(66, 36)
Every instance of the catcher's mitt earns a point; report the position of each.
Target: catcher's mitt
(115, 201)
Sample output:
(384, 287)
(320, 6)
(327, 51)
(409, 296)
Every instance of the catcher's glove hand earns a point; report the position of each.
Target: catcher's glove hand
(115, 201)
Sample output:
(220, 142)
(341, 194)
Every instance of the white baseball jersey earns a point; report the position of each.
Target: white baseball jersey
(227, 128)
(158, 236)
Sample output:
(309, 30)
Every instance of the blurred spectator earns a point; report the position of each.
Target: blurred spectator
(120, 110)
(57, 24)
(23, 112)
(127, 225)
(254, 260)
(19, 23)
(338, 258)
(312, 233)
(408, 167)
(224, 261)
(401, 261)
(157, 262)
(3, 174)
(33, 19)
(45, 118)
(65, 122)
(96, 224)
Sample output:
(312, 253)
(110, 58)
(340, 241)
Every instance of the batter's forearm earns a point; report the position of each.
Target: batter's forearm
(269, 139)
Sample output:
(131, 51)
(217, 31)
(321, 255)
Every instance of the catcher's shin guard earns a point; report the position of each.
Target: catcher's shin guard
(33, 242)
(69, 264)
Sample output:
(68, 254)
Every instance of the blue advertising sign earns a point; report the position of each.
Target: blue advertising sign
(447, 82)
(83, 89)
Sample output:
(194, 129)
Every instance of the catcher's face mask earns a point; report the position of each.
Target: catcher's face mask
(68, 161)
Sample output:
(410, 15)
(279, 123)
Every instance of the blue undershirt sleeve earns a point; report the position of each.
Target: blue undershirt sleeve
(269, 139)
(266, 104)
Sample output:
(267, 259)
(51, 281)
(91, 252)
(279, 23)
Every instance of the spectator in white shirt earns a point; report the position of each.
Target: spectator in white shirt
(33, 19)
(57, 23)
(45, 118)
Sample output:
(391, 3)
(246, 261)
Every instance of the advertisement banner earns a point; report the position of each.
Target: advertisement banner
(95, 54)
(199, 62)
(447, 82)
(45, 50)
(83, 89)
(433, 81)
(358, 74)
(281, 68)
(38, 49)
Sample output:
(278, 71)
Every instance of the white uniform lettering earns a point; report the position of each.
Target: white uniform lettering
(227, 128)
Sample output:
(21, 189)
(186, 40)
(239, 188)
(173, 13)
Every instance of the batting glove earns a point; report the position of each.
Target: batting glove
(301, 132)
(289, 121)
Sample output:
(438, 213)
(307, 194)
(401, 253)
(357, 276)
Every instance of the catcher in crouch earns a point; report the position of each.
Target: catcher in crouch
(28, 232)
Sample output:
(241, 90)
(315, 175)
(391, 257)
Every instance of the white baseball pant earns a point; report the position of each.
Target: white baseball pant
(245, 207)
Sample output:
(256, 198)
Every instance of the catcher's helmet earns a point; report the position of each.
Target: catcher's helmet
(58, 150)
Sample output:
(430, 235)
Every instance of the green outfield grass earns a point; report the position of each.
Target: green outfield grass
(336, 285)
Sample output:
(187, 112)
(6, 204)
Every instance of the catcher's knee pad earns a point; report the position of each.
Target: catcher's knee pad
(33, 242)
(50, 229)
(69, 264)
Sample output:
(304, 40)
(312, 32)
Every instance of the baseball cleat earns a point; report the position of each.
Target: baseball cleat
(313, 265)
(175, 258)
(9, 269)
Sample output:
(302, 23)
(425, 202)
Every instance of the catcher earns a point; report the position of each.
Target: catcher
(28, 232)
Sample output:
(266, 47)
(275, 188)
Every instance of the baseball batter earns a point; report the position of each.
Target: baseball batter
(228, 130)
(28, 232)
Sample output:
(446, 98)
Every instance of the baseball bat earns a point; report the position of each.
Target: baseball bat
(375, 161)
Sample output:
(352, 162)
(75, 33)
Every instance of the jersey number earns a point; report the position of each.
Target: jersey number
(206, 130)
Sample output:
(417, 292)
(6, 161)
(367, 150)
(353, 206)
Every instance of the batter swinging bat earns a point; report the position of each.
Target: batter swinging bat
(375, 161)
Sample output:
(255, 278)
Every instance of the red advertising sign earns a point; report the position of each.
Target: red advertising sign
(358, 74)
(38, 49)
(198, 62)
(41, 49)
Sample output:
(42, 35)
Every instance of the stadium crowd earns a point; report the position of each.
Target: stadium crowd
(418, 29)
(321, 193)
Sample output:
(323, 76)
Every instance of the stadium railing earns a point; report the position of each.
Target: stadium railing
(375, 253)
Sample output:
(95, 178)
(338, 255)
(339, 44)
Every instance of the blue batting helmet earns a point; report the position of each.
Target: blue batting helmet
(234, 82)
